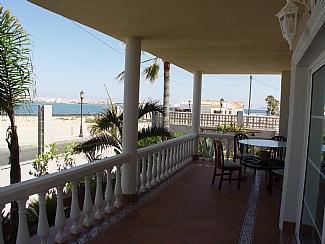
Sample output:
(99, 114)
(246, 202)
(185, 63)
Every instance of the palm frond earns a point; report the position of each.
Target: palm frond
(16, 70)
(150, 107)
(162, 132)
(99, 143)
(151, 72)
(106, 121)
(121, 76)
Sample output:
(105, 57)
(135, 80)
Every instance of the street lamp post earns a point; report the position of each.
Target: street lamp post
(82, 95)
(189, 105)
(221, 104)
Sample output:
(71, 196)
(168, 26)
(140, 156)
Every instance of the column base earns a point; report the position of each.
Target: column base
(132, 198)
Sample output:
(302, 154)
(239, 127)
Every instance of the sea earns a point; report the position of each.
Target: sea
(87, 109)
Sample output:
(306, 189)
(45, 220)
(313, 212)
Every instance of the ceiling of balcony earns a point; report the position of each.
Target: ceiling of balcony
(212, 36)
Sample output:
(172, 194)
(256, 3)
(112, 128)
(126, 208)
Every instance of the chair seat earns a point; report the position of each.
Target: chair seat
(230, 164)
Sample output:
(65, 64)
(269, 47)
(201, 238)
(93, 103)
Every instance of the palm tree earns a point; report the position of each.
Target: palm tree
(151, 73)
(107, 131)
(16, 80)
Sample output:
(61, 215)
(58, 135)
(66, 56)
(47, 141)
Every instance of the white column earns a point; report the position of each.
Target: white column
(130, 113)
(196, 107)
(296, 147)
(284, 102)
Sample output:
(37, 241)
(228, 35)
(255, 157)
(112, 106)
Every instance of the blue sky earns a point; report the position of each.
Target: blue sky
(67, 59)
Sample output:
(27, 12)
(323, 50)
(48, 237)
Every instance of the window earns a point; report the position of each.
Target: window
(312, 216)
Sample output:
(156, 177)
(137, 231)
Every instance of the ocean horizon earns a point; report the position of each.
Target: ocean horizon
(87, 109)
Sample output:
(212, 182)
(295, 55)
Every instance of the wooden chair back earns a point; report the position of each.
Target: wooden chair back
(278, 153)
(218, 151)
(239, 149)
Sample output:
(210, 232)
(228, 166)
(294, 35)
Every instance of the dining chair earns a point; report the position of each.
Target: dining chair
(241, 151)
(278, 154)
(226, 167)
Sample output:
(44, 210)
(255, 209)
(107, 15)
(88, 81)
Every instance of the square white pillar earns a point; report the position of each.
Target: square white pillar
(130, 114)
(284, 103)
(196, 108)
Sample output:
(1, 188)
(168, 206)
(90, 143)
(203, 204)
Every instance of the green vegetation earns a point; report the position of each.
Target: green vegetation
(272, 105)
(108, 129)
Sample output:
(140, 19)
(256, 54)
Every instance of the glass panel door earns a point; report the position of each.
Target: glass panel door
(312, 216)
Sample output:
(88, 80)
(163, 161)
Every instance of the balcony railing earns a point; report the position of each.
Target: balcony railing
(155, 163)
(210, 120)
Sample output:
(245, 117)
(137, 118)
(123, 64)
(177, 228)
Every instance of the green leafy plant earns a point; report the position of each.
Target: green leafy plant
(66, 158)
(40, 164)
(272, 105)
(230, 128)
(206, 148)
(107, 131)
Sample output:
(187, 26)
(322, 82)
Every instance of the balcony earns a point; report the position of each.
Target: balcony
(175, 201)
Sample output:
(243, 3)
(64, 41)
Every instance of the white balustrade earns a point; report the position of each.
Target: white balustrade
(60, 217)
(99, 201)
(149, 171)
(23, 236)
(154, 169)
(43, 224)
(109, 196)
(157, 162)
(88, 205)
(163, 165)
(118, 188)
(143, 175)
(75, 210)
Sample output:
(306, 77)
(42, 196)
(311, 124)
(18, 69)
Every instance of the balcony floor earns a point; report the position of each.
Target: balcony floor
(188, 209)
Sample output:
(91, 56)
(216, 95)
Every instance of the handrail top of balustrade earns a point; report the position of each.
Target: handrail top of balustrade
(43, 183)
(155, 148)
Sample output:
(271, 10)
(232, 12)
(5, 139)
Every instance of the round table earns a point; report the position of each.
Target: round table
(263, 143)
(256, 162)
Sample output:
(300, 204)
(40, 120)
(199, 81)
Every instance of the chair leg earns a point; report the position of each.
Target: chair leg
(220, 181)
(239, 178)
(214, 175)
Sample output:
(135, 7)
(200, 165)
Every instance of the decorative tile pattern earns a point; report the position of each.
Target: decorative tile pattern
(95, 231)
(248, 226)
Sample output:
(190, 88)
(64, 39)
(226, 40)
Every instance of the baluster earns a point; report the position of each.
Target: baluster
(162, 165)
(43, 224)
(182, 154)
(109, 197)
(118, 189)
(185, 152)
(87, 208)
(175, 158)
(60, 216)
(143, 175)
(170, 160)
(149, 171)
(166, 162)
(138, 175)
(23, 233)
(75, 210)
(179, 156)
(99, 201)
(154, 169)
(159, 160)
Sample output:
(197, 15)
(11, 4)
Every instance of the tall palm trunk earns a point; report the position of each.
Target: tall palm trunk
(15, 173)
(13, 145)
(166, 94)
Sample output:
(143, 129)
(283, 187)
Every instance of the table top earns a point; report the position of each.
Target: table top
(263, 143)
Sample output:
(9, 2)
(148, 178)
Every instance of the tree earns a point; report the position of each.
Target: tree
(272, 105)
(151, 73)
(16, 80)
(107, 131)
